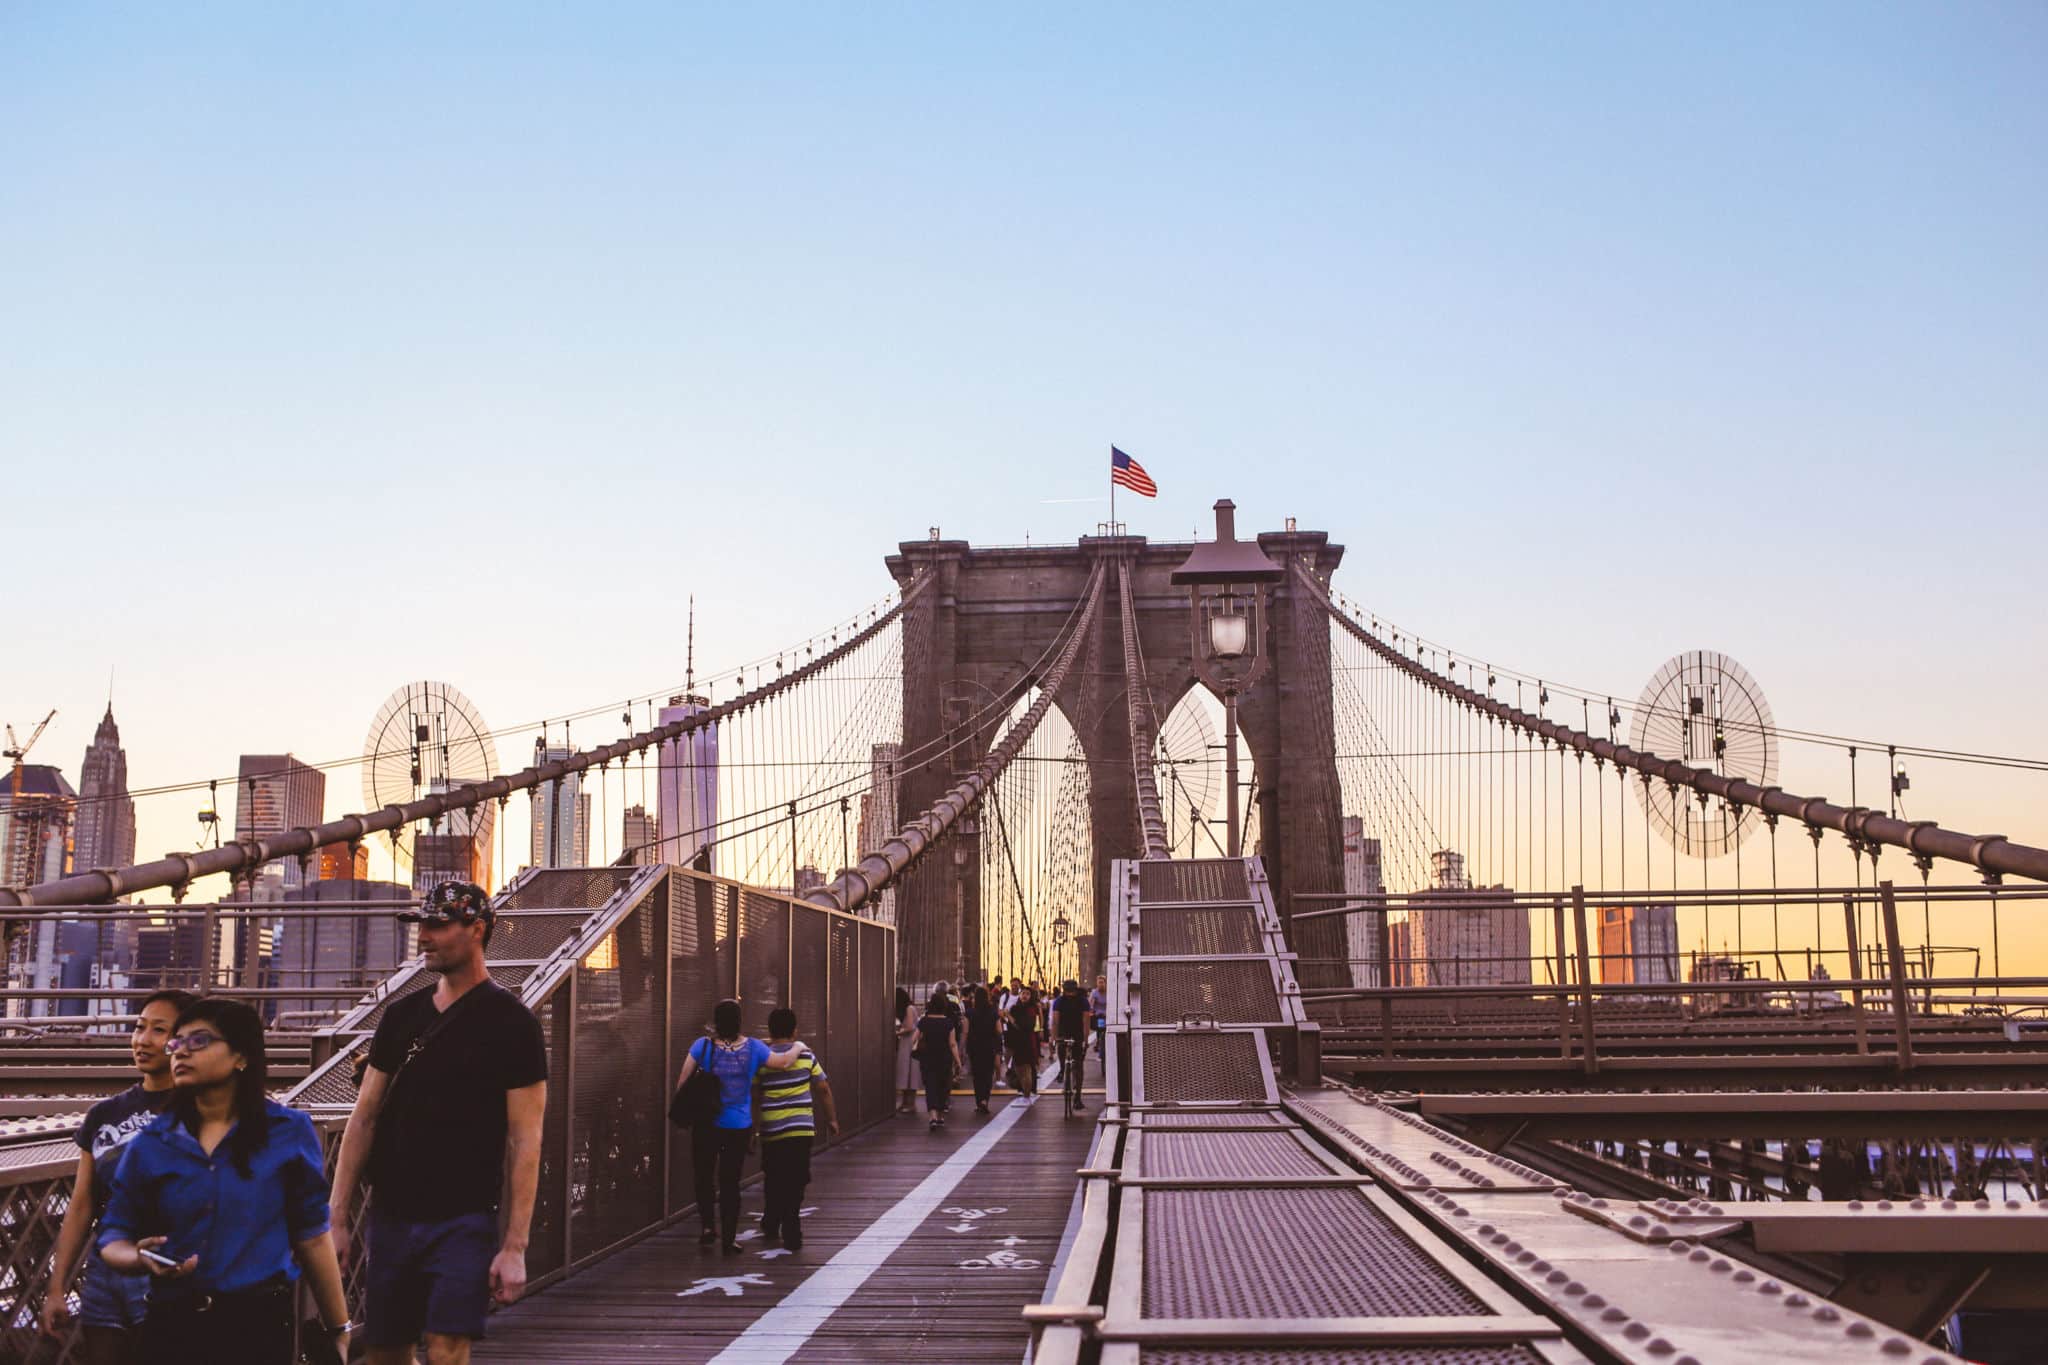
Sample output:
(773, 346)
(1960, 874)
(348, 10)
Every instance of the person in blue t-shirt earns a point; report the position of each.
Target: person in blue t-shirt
(110, 1306)
(228, 1190)
(719, 1149)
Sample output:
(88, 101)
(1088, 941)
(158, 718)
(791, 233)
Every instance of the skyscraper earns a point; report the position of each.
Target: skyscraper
(689, 788)
(106, 815)
(640, 833)
(314, 952)
(35, 846)
(561, 817)
(36, 827)
(1639, 944)
(1362, 879)
(274, 793)
(1464, 935)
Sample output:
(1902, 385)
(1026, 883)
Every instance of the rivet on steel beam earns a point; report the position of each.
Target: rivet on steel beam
(1826, 1313)
(1596, 1301)
(1635, 1331)
(1860, 1328)
(1614, 1315)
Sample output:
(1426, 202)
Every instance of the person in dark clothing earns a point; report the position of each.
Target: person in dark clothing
(718, 1150)
(938, 1053)
(983, 1041)
(227, 1190)
(1023, 1042)
(460, 1069)
(1071, 1021)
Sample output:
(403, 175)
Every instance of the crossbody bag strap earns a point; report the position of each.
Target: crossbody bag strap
(434, 1029)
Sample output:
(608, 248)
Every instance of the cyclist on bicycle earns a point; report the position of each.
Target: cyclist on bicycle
(1071, 1022)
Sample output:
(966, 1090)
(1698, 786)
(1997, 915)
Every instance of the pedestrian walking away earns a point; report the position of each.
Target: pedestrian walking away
(446, 1122)
(938, 1052)
(110, 1306)
(984, 1035)
(1023, 1043)
(718, 1147)
(788, 1128)
(221, 1201)
(906, 1065)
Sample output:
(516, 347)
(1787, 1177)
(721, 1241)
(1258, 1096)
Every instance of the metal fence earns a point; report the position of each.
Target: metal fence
(622, 967)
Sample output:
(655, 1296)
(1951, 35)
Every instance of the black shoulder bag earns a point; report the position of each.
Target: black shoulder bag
(697, 1101)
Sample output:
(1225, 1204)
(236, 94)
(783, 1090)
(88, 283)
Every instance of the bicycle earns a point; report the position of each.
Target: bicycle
(1072, 1062)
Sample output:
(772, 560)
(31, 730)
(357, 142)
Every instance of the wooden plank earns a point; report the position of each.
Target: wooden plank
(631, 1306)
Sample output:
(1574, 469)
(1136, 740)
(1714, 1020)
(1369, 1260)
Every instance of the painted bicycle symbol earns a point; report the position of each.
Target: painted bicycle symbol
(1000, 1260)
(969, 1217)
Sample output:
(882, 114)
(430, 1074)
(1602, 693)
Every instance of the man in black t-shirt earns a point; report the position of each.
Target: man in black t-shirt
(453, 1095)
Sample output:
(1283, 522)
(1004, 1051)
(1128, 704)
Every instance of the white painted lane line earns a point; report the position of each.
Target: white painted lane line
(781, 1332)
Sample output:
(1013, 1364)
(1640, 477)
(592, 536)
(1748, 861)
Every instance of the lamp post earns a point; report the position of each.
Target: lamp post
(1061, 928)
(1227, 580)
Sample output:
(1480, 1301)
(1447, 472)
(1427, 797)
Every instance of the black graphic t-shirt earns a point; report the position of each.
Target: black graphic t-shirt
(1068, 1014)
(107, 1128)
(440, 1145)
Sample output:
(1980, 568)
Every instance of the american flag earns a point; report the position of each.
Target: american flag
(1130, 474)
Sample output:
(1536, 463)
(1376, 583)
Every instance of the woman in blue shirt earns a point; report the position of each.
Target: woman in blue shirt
(718, 1149)
(229, 1192)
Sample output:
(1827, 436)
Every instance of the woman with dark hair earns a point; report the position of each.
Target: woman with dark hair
(984, 1037)
(906, 1065)
(1024, 1040)
(718, 1149)
(222, 1200)
(938, 1052)
(110, 1306)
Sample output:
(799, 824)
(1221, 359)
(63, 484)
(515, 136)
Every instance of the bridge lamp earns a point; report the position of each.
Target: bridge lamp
(1227, 580)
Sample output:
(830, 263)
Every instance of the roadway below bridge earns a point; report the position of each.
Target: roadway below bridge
(917, 1245)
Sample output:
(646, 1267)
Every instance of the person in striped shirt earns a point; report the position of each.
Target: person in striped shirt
(783, 1114)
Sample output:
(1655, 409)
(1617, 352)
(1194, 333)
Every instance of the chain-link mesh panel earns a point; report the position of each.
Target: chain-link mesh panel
(1342, 1355)
(566, 888)
(764, 959)
(535, 933)
(807, 934)
(334, 1082)
(1178, 1068)
(843, 980)
(1239, 1254)
(412, 985)
(1208, 932)
(619, 1099)
(545, 1250)
(877, 1041)
(1199, 1118)
(694, 987)
(1236, 1156)
(1206, 879)
(1231, 992)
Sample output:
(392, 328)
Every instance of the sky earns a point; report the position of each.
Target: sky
(346, 346)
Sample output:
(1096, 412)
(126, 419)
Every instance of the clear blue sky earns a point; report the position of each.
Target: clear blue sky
(348, 345)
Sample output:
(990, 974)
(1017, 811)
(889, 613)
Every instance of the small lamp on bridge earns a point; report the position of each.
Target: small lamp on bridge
(1061, 927)
(1227, 580)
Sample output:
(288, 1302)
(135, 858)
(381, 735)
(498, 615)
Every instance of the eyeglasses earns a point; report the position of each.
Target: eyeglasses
(191, 1042)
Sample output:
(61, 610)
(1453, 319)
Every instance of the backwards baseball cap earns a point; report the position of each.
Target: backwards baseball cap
(453, 903)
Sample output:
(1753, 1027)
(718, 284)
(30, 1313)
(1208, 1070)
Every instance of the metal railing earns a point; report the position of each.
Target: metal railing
(1429, 1000)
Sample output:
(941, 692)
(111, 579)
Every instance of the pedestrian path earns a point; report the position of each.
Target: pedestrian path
(913, 1240)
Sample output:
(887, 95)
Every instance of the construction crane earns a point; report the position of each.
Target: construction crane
(18, 751)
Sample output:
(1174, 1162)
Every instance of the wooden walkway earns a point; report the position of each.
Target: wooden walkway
(914, 1242)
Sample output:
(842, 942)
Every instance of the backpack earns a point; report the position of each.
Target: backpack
(697, 1101)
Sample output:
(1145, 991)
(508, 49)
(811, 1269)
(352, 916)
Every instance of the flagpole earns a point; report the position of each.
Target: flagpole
(1112, 490)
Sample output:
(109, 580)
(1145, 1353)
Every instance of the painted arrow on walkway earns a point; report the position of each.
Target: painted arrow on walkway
(732, 1286)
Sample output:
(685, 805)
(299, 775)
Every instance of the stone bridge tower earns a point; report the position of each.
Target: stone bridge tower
(988, 625)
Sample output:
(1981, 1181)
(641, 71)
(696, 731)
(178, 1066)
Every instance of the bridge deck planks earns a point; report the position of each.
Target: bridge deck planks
(625, 1308)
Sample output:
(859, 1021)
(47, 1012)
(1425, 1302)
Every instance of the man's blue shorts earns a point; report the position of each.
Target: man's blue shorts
(432, 1276)
(111, 1299)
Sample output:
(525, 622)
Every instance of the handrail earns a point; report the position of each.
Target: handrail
(1993, 853)
(180, 869)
